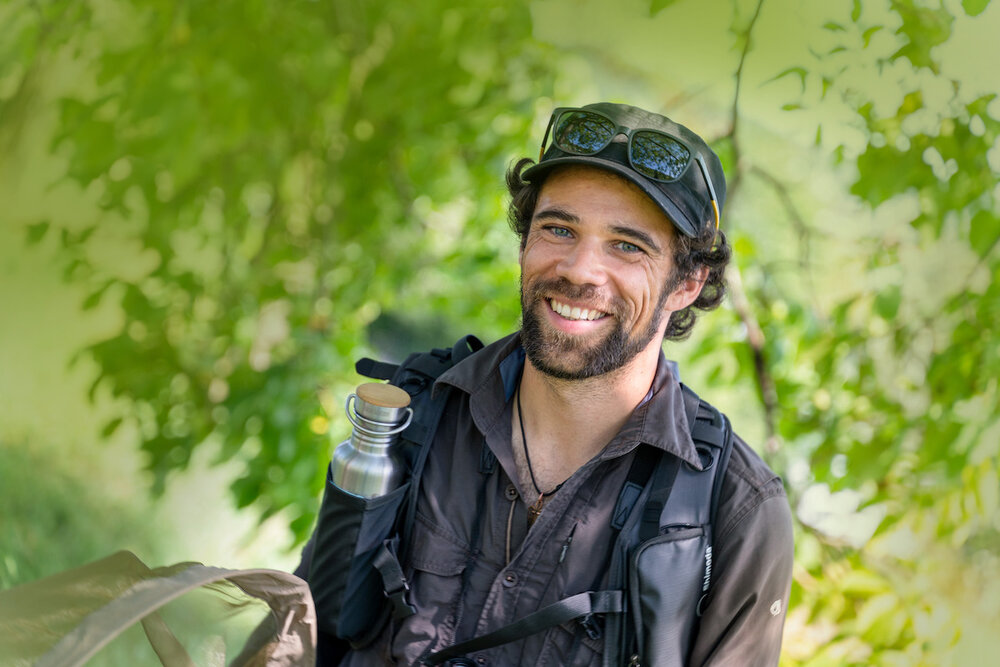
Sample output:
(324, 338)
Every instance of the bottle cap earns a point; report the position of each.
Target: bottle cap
(383, 395)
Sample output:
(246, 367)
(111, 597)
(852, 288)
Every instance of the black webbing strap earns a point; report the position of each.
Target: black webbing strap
(722, 464)
(377, 370)
(639, 472)
(465, 346)
(659, 491)
(581, 605)
(394, 582)
(416, 375)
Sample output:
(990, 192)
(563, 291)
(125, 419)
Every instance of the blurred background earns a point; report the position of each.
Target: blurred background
(209, 211)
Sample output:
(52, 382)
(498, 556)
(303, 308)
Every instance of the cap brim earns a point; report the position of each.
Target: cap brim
(679, 220)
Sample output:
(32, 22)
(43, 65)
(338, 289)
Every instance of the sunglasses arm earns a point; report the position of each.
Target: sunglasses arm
(711, 188)
(545, 139)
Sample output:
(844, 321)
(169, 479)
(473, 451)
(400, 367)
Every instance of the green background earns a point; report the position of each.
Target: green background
(208, 211)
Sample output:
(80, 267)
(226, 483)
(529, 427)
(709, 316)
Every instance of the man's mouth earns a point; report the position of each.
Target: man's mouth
(575, 312)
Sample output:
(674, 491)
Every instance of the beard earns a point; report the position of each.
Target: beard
(569, 357)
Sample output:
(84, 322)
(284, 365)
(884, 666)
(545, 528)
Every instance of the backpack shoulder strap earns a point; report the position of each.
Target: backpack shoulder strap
(677, 496)
(713, 439)
(696, 497)
(416, 375)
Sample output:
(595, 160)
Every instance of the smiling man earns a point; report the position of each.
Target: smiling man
(578, 506)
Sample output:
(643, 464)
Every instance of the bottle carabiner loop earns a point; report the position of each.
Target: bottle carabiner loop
(351, 416)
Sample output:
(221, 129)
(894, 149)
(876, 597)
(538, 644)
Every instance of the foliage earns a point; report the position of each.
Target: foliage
(284, 172)
(889, 394)
(53, 527)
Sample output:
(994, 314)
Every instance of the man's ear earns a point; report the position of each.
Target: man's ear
(687, 290)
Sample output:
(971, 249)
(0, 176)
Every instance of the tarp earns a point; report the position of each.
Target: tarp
(68, 618)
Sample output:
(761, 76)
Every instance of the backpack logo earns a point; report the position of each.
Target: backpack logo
(708, 569)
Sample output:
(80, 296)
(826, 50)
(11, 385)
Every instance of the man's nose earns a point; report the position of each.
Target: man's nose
(583, 264)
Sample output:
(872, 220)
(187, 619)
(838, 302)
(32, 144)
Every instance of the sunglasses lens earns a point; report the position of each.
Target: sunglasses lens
(582, 133)
(657, 156)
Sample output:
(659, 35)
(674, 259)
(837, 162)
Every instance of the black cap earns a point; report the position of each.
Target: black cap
(687, 201)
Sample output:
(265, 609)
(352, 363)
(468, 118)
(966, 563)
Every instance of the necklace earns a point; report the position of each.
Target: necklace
(535, 508)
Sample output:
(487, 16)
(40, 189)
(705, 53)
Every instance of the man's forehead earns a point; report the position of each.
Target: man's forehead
(568, 175)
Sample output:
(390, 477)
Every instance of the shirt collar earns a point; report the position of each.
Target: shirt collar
(490, 377)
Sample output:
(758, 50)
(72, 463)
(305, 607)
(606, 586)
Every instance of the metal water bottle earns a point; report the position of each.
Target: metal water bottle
(365, 464)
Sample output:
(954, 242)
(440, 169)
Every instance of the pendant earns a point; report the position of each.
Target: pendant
(535, 509)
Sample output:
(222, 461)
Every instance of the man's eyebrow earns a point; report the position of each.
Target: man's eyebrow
(557, 213)
(637, 235)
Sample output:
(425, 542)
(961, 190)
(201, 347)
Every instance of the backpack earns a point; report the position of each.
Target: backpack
(663, 523)
(118, 611)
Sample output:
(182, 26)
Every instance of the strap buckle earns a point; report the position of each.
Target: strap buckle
(394, 583)
(591, 627)
(401, 607)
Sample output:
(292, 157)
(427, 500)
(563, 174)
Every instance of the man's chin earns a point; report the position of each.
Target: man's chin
(570, 357)
(559, 369)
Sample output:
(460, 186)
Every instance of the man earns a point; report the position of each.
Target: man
(619, 242)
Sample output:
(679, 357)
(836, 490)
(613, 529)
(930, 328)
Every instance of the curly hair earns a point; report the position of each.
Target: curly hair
(710, 249)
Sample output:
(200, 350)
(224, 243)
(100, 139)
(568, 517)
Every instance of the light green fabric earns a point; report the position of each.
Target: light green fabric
(66, 619)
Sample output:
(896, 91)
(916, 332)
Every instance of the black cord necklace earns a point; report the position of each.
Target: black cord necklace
(536, 508)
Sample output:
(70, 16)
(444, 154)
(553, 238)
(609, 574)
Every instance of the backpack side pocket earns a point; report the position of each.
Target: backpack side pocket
(346, 587)
(665, 585)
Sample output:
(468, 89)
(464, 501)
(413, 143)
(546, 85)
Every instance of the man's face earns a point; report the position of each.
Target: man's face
(596, 275)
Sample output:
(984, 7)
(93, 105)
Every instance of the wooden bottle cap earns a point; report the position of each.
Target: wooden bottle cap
(383, 395)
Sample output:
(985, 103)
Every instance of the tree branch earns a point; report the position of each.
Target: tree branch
(755, 335)
(802, 229)
(734, 116)
(756, 341)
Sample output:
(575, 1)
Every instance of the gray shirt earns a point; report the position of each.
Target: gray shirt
(475, 564)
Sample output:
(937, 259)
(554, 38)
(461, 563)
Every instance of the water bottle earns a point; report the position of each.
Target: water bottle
(365, 465)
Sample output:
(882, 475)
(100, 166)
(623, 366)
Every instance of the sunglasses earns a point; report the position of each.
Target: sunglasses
(655, 154)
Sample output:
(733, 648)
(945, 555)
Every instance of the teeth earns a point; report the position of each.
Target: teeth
(575, 313)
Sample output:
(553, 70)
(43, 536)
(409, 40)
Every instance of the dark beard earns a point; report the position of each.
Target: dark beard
(545, 348)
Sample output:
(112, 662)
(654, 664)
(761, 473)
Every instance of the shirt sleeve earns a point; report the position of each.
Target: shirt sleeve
(743, 620)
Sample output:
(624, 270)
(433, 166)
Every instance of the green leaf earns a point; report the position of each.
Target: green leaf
(111, 427)
(833, 27)
(657, 6)
(36, 232)
(791, 106)
(975, 7)
(984, 232)
(887, 302)
(94, 298)
(866, 36)
(800, 72)
(924, 28)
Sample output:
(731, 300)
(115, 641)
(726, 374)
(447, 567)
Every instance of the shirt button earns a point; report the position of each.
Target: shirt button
(510, 493)
(481, 659)
(510, 579)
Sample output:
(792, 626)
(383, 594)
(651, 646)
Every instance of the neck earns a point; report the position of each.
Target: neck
(568, 422)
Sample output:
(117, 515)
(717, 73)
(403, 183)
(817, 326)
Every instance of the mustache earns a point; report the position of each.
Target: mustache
(571, 291)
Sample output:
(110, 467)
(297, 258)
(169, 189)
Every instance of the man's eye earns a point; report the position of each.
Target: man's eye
(559, 231)
(625, 246)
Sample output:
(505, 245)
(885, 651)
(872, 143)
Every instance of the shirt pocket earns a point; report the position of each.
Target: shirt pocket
(569, 646)
(436, 565)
